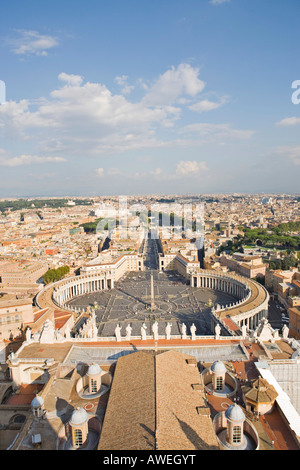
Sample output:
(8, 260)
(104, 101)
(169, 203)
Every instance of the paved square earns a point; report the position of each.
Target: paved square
(175, 302)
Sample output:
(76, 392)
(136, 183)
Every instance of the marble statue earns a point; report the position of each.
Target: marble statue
(118, 332)
(28, 335)
(155, 330)
(217, 331)
(285, 331)
(193, 331)
(183, 331)
(128, 333)
(144, 331)
(168, 330)
(48, 333)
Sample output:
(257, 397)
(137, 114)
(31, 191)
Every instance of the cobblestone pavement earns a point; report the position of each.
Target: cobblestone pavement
(175, 302)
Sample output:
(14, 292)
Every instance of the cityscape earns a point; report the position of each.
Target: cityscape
(149, 229)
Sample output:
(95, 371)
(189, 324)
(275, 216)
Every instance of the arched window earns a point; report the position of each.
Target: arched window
(236, 434)
(37, 412)
(16, 421)
(77, 437)
(219, 383)
(93, 386)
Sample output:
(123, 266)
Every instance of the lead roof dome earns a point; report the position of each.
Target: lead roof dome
(79, 417)
(235, 414)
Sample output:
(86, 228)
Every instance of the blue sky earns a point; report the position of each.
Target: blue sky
(136, 97)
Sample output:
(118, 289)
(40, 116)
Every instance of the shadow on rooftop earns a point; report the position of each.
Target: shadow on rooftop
(150, 439)
(194, 438)
(63, 409)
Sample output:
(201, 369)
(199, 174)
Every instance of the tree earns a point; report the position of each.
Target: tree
(54, 275)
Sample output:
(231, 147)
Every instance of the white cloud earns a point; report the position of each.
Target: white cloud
(113, 172)
(100, 172)
(17, 119)
(204, 105)
(190, 168)
(183, 169)
(290, 153)
(156, 172)
(84, 118)
(72, 80)
(207, 105)
(42, 176)
(171, 85)
(27, 160)
(122, 81)
(292, 121)
(218, 2)
(127, 89)
(32, 43)
(221, 131)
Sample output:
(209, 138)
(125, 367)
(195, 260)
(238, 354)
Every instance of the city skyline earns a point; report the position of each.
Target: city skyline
(167, 98)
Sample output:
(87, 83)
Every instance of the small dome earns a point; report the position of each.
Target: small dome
(37, 402)
(79, 417)
(94, 369)
(235, 414)
(218, 367)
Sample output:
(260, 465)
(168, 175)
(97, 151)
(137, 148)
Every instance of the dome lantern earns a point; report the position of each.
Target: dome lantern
(94, 373)
(235, 418)
(218, 371)
(79, 426)
(37, 406)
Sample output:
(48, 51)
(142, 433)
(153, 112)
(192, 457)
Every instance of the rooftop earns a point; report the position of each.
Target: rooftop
(156, 406)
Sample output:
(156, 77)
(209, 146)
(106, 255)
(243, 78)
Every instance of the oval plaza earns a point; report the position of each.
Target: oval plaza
(130, 290)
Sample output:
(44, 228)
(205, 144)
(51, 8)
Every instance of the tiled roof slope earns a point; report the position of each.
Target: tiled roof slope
(157, 402)
(129, 422)
(183, 419)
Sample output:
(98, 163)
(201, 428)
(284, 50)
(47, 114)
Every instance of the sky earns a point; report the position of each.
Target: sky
(110, 97)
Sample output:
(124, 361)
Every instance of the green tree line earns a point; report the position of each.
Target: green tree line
(286, 263)
(279, 237)
(54, 275)
(20, 204)
(91, 227)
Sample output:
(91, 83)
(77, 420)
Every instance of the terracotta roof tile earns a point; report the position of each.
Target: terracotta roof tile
(152, 405)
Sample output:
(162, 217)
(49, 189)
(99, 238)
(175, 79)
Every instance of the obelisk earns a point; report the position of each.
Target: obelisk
(152, 293)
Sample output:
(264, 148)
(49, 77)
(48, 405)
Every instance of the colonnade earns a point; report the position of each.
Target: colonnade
(243, 290)
(224, 284)
(251, 322)
(81, 285)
